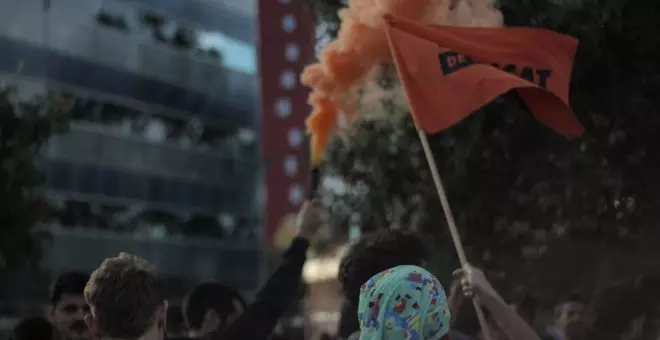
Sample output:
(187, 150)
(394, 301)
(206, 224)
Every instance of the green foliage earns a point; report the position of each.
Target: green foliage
(25, 127)
(513, 184)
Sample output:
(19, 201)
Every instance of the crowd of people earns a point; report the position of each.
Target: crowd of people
(389, 295)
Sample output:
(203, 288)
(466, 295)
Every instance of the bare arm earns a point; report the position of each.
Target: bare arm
(474, 283)
(507, 319)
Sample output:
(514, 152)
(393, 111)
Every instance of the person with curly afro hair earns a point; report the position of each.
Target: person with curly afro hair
(372, 254)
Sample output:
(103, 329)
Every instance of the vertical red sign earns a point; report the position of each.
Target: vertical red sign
(286, 46)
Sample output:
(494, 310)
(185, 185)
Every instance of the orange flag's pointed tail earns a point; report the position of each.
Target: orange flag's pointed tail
(450, 72)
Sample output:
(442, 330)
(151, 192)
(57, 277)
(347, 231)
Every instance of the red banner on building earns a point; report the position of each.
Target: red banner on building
(286, 45)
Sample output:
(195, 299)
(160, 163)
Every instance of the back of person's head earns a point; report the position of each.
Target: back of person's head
(376, 252)
(34, 328)
(212, 305)
(126, 298)
(404, 300)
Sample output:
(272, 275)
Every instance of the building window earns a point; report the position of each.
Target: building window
(295, 137)
(292, 52)
(289, 23)
(153, 126)
(290, 165)
(210, 46)
(288, 80)
(283, 107)
(295, 194)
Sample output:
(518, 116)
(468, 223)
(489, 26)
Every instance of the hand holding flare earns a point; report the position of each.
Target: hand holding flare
(321, 124)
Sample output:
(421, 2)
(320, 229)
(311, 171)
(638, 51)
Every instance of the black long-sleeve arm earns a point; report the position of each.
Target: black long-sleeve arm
(260, 317)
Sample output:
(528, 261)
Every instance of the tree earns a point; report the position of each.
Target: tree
(25, 128)
(516, 187)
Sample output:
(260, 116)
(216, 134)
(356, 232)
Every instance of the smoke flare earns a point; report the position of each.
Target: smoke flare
(362, 45)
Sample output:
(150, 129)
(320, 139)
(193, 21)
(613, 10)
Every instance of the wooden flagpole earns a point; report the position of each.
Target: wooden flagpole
(453, 230)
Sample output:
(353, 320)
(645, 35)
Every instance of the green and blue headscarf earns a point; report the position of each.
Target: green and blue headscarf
(405, 302)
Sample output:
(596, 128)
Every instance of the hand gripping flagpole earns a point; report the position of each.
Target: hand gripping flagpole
(453, 230)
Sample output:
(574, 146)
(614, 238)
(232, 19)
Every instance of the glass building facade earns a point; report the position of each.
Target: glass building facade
(163, 157)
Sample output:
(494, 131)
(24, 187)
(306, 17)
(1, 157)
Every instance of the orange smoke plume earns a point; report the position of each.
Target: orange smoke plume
(362, 44)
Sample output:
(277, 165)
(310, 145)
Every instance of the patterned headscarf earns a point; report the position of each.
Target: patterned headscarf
(405, 302)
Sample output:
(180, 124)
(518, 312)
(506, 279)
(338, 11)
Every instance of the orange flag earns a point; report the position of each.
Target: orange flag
(450, 72)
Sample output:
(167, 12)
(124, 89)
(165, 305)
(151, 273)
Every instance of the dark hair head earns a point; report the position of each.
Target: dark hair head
(573, 298)
(375, 253)
(67, 283)
(210, 296)
(33, 328)
(124, 294)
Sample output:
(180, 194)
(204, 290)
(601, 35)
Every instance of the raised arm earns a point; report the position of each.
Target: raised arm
(475, 284)
(260, 317)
